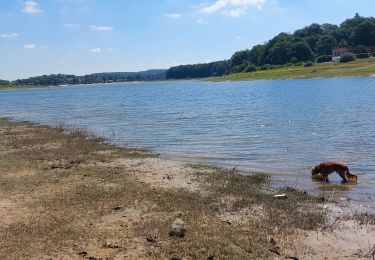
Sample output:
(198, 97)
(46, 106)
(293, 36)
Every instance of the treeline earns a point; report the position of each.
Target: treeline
(217, 68)
(64, 79)
(314, 42)
(4, 82)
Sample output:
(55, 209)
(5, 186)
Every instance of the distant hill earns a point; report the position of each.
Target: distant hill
(311, 43)
(107, 77)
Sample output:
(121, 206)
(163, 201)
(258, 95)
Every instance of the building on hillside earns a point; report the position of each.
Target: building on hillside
(354, 50)
(337, 52)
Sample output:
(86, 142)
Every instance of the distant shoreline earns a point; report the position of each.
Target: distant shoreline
(358, 68)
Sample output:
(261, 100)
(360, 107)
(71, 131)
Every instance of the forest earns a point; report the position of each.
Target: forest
(313, 43)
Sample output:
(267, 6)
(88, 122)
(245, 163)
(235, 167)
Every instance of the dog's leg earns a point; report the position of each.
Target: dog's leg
(343, 176)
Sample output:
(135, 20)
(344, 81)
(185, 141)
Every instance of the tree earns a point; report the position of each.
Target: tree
(256, 54)
(280, 53)
(364, 34)
(313, 29)
(325, 45)
(343, 43)
(301, 51)
(239, 57)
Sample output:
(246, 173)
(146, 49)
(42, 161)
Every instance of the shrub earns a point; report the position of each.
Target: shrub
(266, 67)
(239, 68)
(363, 55)
(324, 58)
(361, 49)
(308, 64)
(294, 60)
(250, 68)
(347, 57)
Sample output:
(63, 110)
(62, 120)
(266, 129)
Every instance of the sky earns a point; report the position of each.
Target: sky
(79, 37)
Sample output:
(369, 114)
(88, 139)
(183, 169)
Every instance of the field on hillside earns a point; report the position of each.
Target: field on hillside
(359, 67)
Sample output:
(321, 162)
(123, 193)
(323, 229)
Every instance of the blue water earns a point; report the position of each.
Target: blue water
(282, 127)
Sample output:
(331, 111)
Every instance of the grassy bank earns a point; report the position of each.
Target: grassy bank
(67, 194)
(359, 67)
(15, 87)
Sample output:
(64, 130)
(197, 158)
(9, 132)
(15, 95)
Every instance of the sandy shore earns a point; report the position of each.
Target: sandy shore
(68, 195)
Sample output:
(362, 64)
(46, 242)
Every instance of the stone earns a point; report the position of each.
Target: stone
(178, 228)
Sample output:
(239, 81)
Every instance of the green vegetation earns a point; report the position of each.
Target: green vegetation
(359, 67)
(324, 58)
(312, 43)
(62, 79)
(347, 57)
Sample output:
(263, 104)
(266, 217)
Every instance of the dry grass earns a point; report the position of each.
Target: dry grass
(359, 67)
(362, 218)
(64, 197)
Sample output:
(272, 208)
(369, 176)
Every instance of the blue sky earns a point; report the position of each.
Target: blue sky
(85, 36)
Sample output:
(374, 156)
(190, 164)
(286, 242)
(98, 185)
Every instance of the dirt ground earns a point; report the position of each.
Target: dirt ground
(69, 195)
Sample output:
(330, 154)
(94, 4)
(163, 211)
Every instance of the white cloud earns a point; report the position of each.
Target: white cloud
(29, 46)
(97, 28)
(235, 12)
(96, 50)
(71, 25)
(31, 7)
(234, 8)
(173, 16)
(9, 36)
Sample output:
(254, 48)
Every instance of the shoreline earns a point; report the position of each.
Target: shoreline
(68, 194)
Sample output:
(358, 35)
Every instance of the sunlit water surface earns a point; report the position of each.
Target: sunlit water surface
(279, 127)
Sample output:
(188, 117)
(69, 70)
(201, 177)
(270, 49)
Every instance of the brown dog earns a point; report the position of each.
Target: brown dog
(325, 168)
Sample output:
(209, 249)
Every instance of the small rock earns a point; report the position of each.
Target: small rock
(174, 257)
(228, 222)
(211, 257)
(109, 245)
(178, 228)
(151, 239)
(117, 208)
(281, 196)
(82, 253)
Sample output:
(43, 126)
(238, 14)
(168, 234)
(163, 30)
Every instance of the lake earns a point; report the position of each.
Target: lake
(281, 127)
